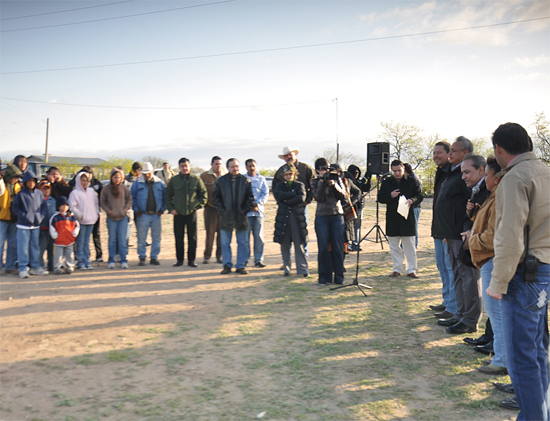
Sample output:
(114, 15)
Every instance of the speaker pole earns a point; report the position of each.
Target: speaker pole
(337, 144)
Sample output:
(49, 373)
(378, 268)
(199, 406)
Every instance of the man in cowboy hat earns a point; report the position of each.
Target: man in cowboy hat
(305, 175)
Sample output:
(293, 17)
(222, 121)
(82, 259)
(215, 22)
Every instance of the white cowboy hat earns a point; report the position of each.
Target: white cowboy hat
(287, 150)
(147, 168)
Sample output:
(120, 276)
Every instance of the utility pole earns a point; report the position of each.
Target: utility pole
(337, 144)
(47, 134)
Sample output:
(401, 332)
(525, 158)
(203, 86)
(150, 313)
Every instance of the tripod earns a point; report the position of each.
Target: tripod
(379, 232)
(356, 279)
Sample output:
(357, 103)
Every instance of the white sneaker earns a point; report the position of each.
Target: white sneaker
(23, 274)
(111, 265)
(124, 265)
(39, 272)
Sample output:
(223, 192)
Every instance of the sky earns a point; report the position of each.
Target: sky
(245, 79)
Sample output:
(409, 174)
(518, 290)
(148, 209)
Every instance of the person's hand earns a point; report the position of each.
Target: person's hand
(174, 212)
(492, 294)
(159, 213)
(330, 182)
(469, 205)
(255, 208)
(321, 173)
(395, 193)
(466, 235)
(410, 202)
(138, 214)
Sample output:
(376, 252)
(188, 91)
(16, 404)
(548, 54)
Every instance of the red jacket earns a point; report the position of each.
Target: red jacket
(64, 228)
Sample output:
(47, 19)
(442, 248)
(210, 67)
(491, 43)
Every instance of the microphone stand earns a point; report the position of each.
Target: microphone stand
(379, 232)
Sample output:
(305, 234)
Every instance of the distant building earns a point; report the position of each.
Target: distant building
(38, 164)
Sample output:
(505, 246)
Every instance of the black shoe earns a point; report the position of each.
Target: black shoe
(286, 274)
(448, 322)
(192, 264)
(504, 387)
(444, 315)
(154, 262)
(178, 263)
(226, 270)
(242, 271)
(141, 262)
(440, 307)
(482, 340)
(460, 328)
(511, 403)
(260, 265)
(219, 261)
(485, 349)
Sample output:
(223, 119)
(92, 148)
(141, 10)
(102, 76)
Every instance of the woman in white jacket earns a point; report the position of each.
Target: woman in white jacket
(85, 206)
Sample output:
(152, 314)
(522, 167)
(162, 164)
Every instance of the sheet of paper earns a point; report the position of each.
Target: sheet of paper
(403, 207)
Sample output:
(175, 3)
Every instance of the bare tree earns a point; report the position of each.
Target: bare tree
(405, 141)
(345, 158)
(154, 160)
(541, 138)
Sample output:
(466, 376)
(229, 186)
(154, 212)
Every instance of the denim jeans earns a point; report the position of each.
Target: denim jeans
(416, 212)
(83, 246)
(330, 242)
(143, 223)
(443, 261)
(256, 227)
(492, 308)
(523, 313)
(118, 239)
(46, 244)
(8, 233)
(28, 248)
(242, 248)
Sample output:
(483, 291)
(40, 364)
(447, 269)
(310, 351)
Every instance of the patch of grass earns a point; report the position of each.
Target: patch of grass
(121, 355)
(84, 360)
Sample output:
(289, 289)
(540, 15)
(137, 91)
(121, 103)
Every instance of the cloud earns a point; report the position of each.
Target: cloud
(450, 15)
(529, 77)
(529, 62)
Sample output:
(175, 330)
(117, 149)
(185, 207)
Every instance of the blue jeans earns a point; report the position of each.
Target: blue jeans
(443, 261)
(242, 248)
(330, 230)
(492, 308)
(416, 212)
(143, 223)
(8, 233)
(256, 226)
(83, 246)
(118, 239)
(523, 313)
(28, 248)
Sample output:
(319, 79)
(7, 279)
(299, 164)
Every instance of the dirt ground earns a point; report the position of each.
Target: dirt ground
(166, 343)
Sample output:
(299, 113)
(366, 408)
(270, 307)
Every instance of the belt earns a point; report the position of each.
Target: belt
(150, 212)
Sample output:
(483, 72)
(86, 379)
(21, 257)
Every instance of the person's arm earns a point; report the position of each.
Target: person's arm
(104, 201)
(163, 197)
(217, 198)
(169, 196)
(264, 192)
(417, 194)
(385, 193)
(248, 196)
(299, 196)
(133, 191)
(53, 231)
(202, 194)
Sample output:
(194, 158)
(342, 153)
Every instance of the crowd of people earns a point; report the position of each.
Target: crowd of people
(491, 231)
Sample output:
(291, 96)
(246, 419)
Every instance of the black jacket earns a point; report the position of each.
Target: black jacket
(450, 208)
(440, 176)
(396, 225)
(305, 175)
(233, 210)
(479, 199)
(291, 203)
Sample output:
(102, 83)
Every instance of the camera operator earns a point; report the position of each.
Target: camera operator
(363, 184)
(329, 192)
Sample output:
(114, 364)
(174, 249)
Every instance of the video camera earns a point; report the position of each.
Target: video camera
(330, 174)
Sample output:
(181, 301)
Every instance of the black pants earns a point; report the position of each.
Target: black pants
(180, 222)
(97, 239)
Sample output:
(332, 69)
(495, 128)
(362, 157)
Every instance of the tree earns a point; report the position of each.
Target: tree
(267, 172)
(68, 167)
(345, 159)
(105, 169)
(405, 141)
(196, 170)
(482, 147)
(426, 170)
(154, 160)
(541, 138)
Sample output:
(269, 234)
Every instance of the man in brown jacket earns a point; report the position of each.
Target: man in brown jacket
(211, 215)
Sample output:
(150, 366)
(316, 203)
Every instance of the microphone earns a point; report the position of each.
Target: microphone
(386, 174)
(475, 191)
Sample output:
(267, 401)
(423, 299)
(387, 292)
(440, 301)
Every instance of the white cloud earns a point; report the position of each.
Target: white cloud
(528, 62)
(529, 77)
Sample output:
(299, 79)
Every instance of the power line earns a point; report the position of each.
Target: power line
(296, 47)
(119, 17)
(68, 10)
(166, 108)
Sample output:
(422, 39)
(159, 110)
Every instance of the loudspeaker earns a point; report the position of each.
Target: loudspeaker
(378, 157)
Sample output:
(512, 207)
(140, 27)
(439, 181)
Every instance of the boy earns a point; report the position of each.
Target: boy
(45, 240)
(8, 228)
(30, 207)
(64, 228)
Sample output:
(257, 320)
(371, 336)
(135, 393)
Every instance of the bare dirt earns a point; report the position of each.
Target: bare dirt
(166, 343)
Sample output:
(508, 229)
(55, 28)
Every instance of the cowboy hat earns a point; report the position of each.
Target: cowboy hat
(287, 150)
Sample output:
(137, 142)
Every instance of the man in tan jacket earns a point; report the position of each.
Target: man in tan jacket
(211, 215)
(522, 229)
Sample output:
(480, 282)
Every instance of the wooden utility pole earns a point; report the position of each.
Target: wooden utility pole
(337, 144)
(47, 134)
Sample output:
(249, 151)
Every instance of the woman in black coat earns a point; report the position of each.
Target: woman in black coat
(290, 222)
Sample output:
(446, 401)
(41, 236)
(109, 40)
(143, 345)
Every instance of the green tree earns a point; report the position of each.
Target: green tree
(426, 170)
(405, 141)
(104, 170)
(541, 137)
(195, 170)
(68, 167)
(154, 160)
(482, 147)
(267, 172)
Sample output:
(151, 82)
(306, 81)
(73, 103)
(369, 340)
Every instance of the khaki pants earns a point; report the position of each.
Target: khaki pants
(212, 226)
